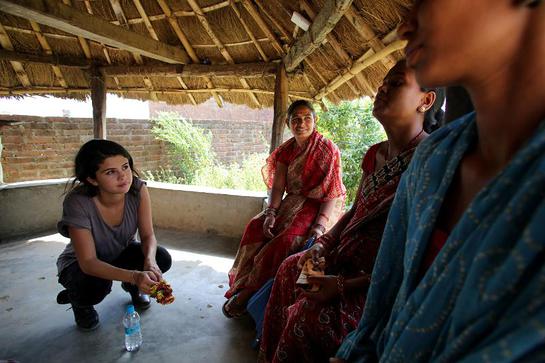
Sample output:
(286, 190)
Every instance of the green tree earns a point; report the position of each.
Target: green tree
(353, 128)
(190, 148)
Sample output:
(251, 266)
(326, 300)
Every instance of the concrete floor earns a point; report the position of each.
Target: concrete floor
(34, 328)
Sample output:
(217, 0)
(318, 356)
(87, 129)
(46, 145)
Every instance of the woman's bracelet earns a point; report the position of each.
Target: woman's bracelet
(319, 227)
(133, 276)
(270, 211)
(340, 284)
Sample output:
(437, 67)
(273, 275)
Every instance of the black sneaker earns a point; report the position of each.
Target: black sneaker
(63, 298)
(139, 300)
(86, 317)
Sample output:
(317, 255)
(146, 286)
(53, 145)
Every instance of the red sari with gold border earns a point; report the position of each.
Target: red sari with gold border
(297, 329)
(313, 176)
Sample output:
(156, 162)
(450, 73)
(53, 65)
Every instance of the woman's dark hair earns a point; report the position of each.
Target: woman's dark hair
(433, 118)
(87, 162)
(297, 104)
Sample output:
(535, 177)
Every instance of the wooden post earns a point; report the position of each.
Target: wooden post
(280, 106)
(98, 99)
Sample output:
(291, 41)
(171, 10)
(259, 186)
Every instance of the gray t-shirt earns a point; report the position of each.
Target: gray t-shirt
(80, 211)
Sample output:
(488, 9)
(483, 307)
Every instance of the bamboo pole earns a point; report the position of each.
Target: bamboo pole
(368, 59)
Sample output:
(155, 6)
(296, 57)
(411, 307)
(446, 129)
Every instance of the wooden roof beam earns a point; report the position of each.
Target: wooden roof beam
(322, 25)
(263, 26)
(253, 70)
(18, 68)
(367, 34)
(235, 8)
(5, 91)
(50, 59)
(362, 82)
(247, 70)
(63, 17)
(187, 46)
(145, 17)
(368, 59)
(47, 49)
(224, 52)
(184, 86)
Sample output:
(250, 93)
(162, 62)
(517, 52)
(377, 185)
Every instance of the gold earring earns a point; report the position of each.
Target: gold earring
(421, 109)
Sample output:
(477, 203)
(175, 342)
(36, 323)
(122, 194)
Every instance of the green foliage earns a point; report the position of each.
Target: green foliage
(190, 148)
(162, 175)
(245, 177)
(353, 128)
(193, 161)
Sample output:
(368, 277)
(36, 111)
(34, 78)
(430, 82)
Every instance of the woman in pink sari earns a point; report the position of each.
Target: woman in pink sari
(308, 168)
(302, 326)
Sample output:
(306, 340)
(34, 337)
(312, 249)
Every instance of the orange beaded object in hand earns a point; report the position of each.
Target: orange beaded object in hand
(162, 292)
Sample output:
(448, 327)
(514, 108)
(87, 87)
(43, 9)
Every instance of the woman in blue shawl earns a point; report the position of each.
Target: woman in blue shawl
(460, 275)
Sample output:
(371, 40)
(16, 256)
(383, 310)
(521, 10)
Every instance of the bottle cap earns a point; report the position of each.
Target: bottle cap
(130, 309)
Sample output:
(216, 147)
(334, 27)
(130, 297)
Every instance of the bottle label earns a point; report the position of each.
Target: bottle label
(133, 329)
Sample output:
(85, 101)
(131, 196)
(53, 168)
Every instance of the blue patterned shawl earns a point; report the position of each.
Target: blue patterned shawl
(483, 298)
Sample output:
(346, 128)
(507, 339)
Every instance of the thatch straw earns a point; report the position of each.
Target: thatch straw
(382, 16)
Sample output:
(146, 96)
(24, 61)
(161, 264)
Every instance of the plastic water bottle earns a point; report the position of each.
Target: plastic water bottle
(133, 333)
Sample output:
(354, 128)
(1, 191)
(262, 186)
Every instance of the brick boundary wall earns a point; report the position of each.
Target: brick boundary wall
(36, 148)
(232, 141)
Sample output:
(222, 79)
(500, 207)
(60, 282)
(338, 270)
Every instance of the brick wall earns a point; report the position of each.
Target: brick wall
(37, 148)
(237, 130)
(232, 141)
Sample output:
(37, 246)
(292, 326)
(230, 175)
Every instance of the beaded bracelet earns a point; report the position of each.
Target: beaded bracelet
(340, 284)
(270, 211)
(320, 227)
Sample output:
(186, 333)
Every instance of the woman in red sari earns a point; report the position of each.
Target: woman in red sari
(308, 168)
(302, 326)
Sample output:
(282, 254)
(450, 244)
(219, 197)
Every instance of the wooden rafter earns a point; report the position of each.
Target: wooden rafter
(63, 17)
(275, 22)
(248, 70)
(263, 26)
(249, 32)
(184, 86)
(145, 17)
(84, 45)
(367, 34)
(120, 15)
(187, 46)
(224, 52)
(363, 83)
(47, 49)
(60, 90)
(368, 59)
(324, 23)
(72, 37)
(253, 70)
(18, 68)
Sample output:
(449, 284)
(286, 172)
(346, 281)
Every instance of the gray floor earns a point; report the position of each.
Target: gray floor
(34, 328)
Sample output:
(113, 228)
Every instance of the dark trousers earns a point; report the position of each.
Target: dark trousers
(86, 290)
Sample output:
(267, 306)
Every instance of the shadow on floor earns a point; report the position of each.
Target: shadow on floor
(192, 329)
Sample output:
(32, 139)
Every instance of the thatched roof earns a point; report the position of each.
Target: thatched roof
(187, 51)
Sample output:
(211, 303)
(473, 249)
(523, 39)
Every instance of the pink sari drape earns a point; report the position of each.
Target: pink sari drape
(297, 329)
(313, 176)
